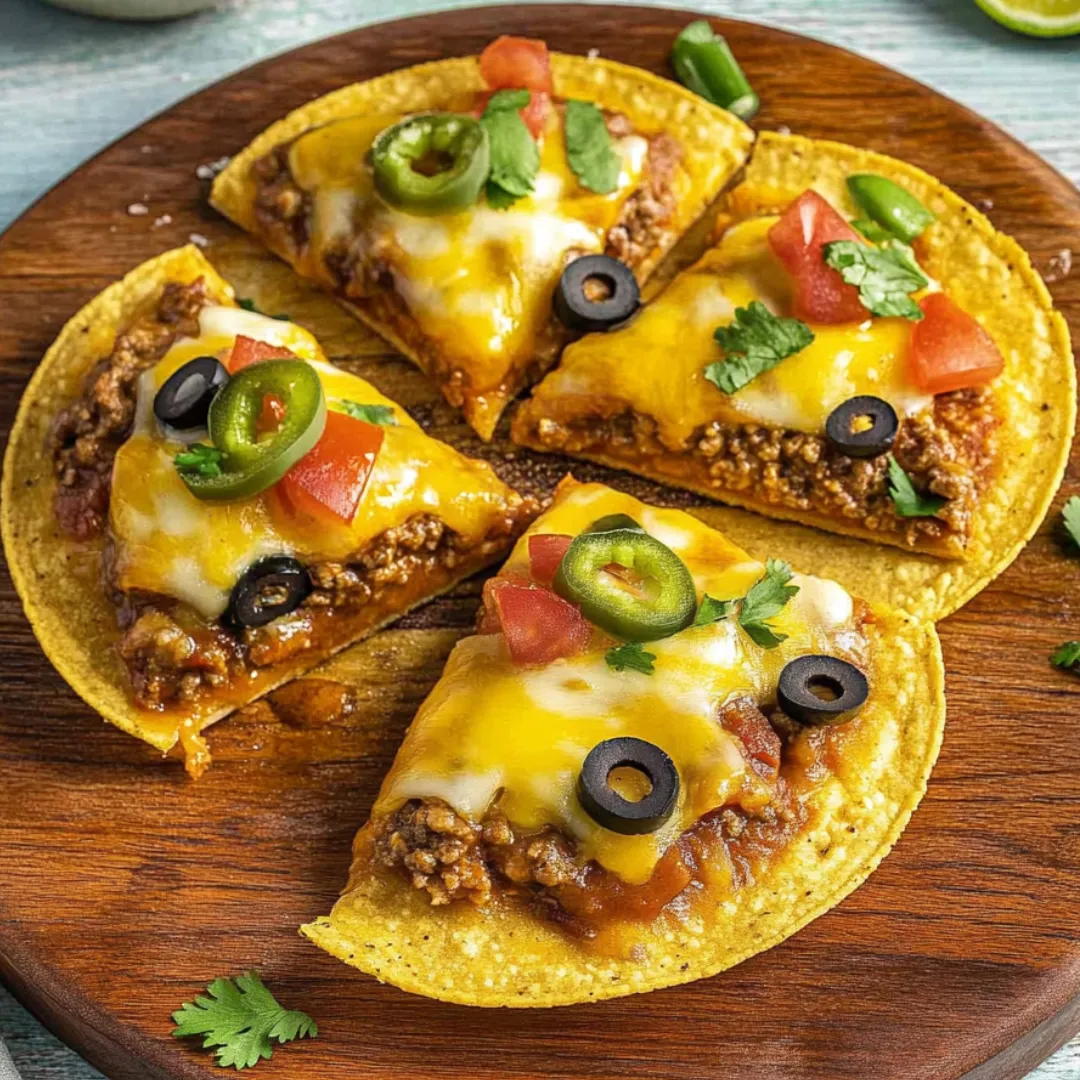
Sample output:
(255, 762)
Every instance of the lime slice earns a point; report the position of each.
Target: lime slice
(1039, 18)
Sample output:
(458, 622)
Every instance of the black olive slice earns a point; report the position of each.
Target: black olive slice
(596, 292)
(611, 522)
(269, 588)
(821, 690)
(607, 807)
(184, 398)
(863, 427)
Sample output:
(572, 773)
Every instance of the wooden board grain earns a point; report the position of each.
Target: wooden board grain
(124, 888)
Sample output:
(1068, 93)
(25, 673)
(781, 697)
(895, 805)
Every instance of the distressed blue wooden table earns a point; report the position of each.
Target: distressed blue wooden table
(69, 85)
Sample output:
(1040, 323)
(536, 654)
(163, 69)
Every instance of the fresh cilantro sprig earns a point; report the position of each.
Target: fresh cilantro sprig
(589, 148)
(515, 157)
(765, 599)
(755, 341)
(885, 276)
(1070, 515)
(240, 1018)
(371, 414)
(198, 459)
(630, 655)
(249, 305)
(907, 501)
(1067, 657)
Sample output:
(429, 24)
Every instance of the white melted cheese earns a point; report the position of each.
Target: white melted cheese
(166, 541)
(492, 733)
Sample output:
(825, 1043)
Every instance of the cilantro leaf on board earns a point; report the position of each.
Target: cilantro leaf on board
(515, 157)
(198, 459)
(371, 414)
(907, 501)
(589, 148)
(632, 655)
(755, 341)
(885, 276)
(1070, 515)
(240, 1018)
(712, 610)
(767, 597)
(874, 232)
(1067, 656)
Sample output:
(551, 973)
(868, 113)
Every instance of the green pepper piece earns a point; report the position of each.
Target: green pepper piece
(890, 206)
(666, 603)
(610, 522)
(251, 463)
(436, 163)
(704, 63)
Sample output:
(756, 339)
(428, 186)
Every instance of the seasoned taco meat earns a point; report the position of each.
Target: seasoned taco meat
(948, 450)
(89, 432)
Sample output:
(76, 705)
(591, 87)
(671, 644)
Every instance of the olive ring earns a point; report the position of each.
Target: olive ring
(268, 589)
(607, 807)
(183, 402)
(875, 439)
(802, 677)
(577, 311)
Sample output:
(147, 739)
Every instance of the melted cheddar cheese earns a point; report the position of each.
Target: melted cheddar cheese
(494, 733)
(656, 364)
(169, 542)
(478, 283)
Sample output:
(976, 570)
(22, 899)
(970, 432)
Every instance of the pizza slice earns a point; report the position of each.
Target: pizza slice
(657, 757)
(442, 203)
(198, 506)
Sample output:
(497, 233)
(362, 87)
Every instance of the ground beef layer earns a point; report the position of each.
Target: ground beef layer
(948, 450)
(452, 859)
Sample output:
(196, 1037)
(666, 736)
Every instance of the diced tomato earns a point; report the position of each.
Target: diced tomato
(271, 413)
(247, 351)
(534, 114)
(757, 736)
(539, 626)
(798, 239)
(328, 481)
(546, 551)
(950, 350)
(512, 63)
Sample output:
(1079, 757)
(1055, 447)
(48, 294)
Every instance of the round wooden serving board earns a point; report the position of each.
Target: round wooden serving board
(125, 887)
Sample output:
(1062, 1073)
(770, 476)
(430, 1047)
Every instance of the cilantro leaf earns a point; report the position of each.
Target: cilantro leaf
(249, 305)
(200, 460)
(1067, 656)
(907, 501)
(240, 1018)
(712, 610)
(1070, 514)
(767, 597)
(756, 341)
(872, 230)
(372, 414)
(885, 276)
(632, 655)
(515, 157)
(589, 148)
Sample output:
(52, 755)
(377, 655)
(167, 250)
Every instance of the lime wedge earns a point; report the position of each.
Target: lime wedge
(1039, 18)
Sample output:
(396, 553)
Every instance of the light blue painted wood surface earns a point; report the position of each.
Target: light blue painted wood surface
(69, 85)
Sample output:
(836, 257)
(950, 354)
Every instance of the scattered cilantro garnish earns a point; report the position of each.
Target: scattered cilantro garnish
(766, 598)
(372, 414)
(1070, 514)
(712, 610)
(1067, 657)
(632, 655)
(885, 276)
(240, 1018)
(515, 158)
(200, 460)
(249, 305)
(872, 230)
(589, 149)
(907, 501)
(756, 341)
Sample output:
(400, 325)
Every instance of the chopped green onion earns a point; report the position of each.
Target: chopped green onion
(704, 63)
